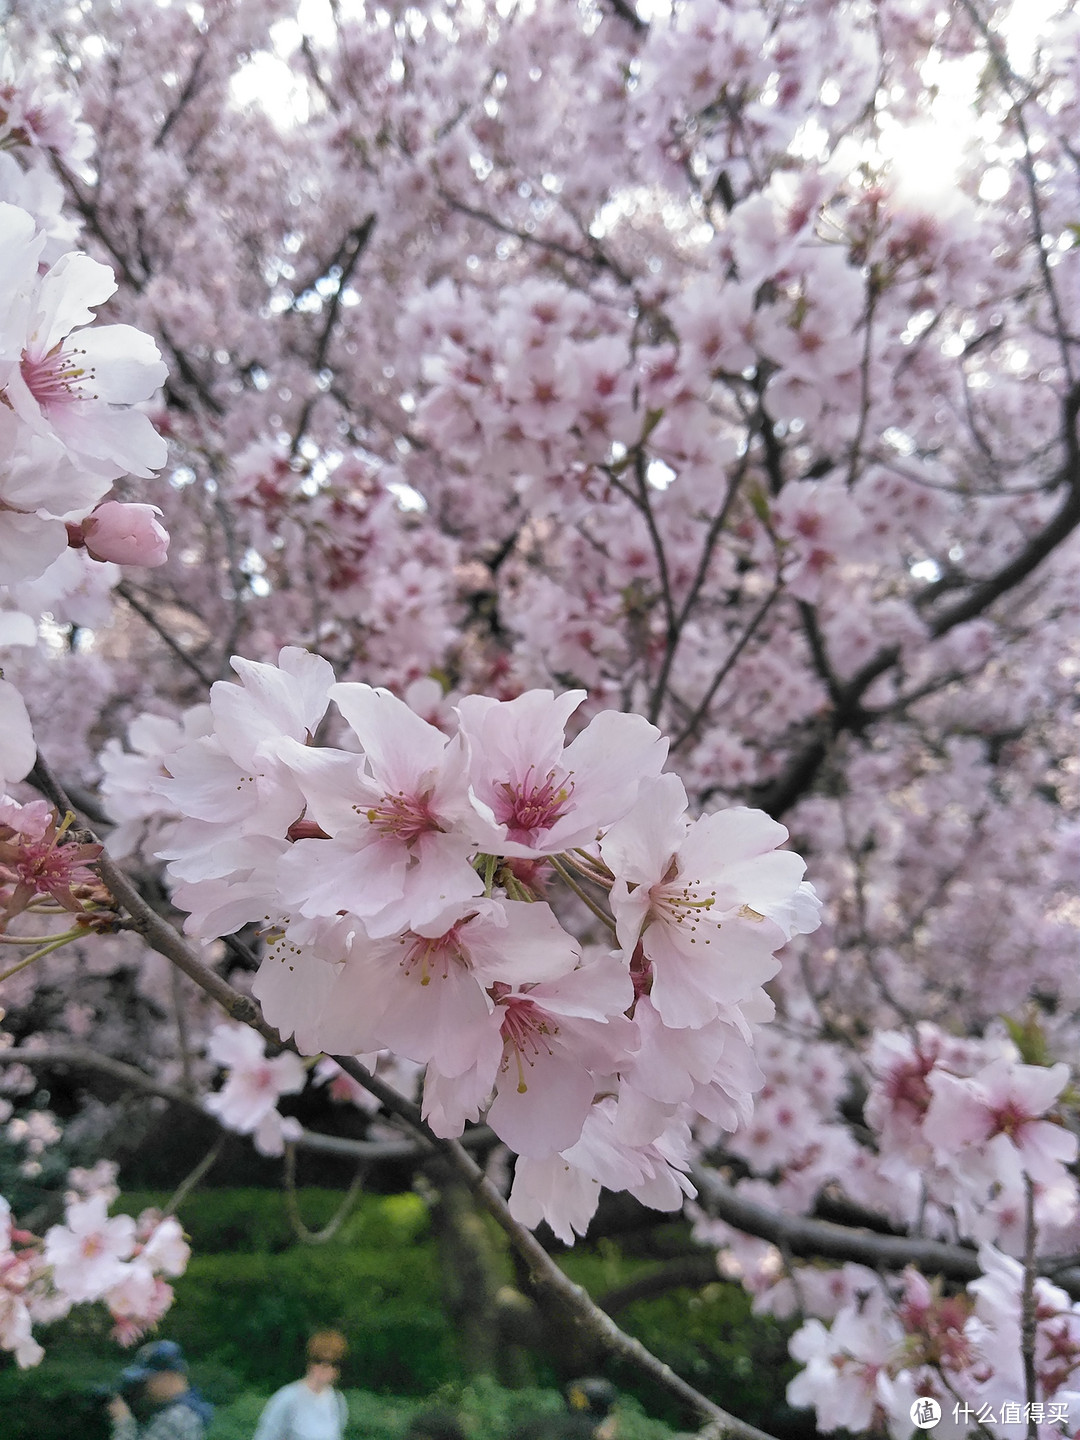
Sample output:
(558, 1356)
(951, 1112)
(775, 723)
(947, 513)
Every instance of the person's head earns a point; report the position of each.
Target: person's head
(159, 1373)
(325, 1351)
(594, 1400)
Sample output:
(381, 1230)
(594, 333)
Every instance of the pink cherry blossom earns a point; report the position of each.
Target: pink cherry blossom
(80, 383)
(710, 902)
(846, 1365)
(544, 1046)
(19, 751)
(1006, 1101)
(254, 1083)
(535, 796)
(564, 1189)
(89, 1251)
(398, 848)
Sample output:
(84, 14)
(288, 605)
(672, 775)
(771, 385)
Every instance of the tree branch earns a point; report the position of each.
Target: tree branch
(689, 1271)
(821, 1239)
(124, 591)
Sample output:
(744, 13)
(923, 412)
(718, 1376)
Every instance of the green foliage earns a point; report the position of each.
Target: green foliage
(256, 1222)
(55, 1400)
(485, 1410)
(709, 1336)
(238, 1420)
(252, 1295)
(253, 1314)
(711, 1339)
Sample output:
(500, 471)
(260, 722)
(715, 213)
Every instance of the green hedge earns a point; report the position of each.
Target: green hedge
(55, 1400)
(252, 1295)
(256, 1222)
(486, 1412)
(253, 1313)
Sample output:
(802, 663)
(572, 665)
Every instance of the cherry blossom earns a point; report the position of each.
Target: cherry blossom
(1007, 1101)
(536, 796)
(397, 852)
(79, 384)
(89, 1252)
(126, 534)
(710, 901)
(19, 750)
(248, 1100)
(846, 1375)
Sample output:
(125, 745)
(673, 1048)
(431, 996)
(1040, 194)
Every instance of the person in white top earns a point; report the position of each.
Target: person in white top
(310, 1409)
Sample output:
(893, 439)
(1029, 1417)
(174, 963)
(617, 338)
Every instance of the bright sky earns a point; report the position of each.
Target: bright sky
(926, 157)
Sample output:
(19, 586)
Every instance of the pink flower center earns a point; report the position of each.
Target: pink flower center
(526, 807)
(524, 1030)
(686, 908)
(47, 866)
(405, 817)
(91, 1247)
(57, 378)
(906, 1085)
(1010, 1119)
(432, 955)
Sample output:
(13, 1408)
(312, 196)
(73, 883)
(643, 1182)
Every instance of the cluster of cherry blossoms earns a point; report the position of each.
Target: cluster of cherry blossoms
(890, 1343)
(69, 392)
(88, 1258)
(965, 1143)
(247, 1102)
(406, 883)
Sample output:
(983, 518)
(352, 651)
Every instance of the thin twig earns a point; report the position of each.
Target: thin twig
(726, 668)
(1027, 1308)
(292, 1206)
(159, 630)
(55, 944)
(187, 1185)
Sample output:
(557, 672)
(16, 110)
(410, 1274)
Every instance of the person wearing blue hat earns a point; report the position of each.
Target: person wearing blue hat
(156, 1400)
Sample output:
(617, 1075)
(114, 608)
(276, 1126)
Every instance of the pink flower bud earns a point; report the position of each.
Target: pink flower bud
(126, 534)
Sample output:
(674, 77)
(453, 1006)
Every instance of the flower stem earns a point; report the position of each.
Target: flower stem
(26, 939)
(54, 944)
(572, 884)
(490, 862)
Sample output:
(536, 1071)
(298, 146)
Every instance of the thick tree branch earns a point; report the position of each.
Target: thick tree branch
(823, 1240)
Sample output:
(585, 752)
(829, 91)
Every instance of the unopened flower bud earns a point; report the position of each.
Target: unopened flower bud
(126, 534)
